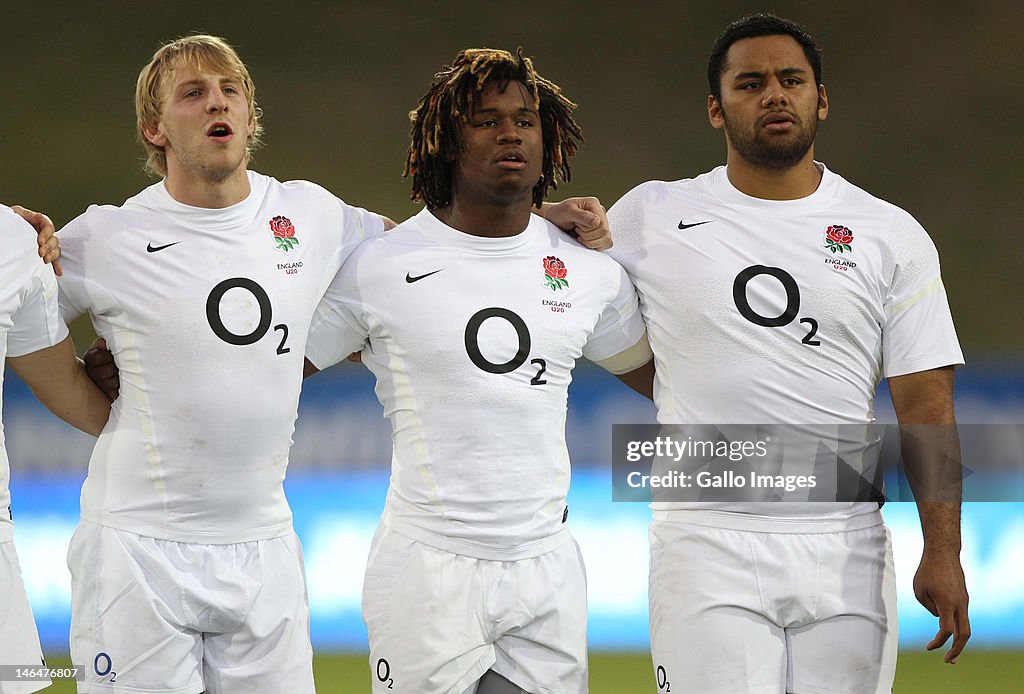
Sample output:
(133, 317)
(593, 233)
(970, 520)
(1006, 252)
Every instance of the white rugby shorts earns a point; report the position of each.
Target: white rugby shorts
(19, 640)
(151, 615)
(786, 609)
(438, 621)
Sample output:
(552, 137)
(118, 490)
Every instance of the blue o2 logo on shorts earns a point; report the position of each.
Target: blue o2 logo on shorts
(103, 666)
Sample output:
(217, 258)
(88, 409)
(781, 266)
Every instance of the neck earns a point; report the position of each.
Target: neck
(211, 194)
(494, 220)
(793, 183)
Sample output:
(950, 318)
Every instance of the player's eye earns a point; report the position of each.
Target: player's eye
(792, 81)
(525, 123)
(750, 86)
(192, 92)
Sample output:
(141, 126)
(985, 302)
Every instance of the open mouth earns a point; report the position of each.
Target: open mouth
(219, 131)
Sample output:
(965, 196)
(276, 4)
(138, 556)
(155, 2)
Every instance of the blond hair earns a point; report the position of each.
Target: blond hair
(200, 53)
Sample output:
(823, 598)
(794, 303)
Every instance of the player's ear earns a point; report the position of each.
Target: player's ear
(154, 136)
(822, 103)
(715, 114)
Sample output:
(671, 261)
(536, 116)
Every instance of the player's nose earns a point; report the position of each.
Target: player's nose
(216, 101)
(507, 132)
(773, 93)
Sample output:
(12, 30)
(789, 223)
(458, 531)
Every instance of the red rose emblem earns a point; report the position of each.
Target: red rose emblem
(839, 234)
(284, 233)
(553, 267)
(838, 239)
(555, 273)
(284, 229)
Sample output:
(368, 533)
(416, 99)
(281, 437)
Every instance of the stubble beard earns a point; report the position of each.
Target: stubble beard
(767, 152)
(210, 172)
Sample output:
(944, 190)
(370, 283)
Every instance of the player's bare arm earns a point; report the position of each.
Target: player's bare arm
(585, 217)
(931, 453)
(49, 246)
(308, 369)
(641, 380)
(58, 380)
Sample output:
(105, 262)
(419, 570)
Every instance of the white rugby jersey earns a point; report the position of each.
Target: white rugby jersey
(473, 341)
(765, 311)
(206, 312)
(29, 319)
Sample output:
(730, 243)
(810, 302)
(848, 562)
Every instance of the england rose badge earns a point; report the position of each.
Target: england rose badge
(838, 239)
(555, 273)
(284, 233)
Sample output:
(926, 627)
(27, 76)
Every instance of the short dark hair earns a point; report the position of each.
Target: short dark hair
(434, 135)
(754, 25)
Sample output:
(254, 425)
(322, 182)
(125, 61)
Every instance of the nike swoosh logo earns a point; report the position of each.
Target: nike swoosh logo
(153, 249)
(695, 224)
(410, 279)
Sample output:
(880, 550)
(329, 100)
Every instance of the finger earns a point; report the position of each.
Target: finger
(961, 634)
(941, 636)
(600, 244)
(587, 222)
(947, 625)
(57, 269)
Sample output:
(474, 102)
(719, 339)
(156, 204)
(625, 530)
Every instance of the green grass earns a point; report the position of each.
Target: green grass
(978, 672)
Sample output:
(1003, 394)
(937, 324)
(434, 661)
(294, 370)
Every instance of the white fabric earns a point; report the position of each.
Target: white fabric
(29, 319)
(480, 465)
(152, 615)
(19, 641)
(742, 612)
(437, 621)
(879, 307)
(197, 443)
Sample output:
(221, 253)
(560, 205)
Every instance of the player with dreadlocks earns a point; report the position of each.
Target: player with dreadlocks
(471, 315)
(436, 121)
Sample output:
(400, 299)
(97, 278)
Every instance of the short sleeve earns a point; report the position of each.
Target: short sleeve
(918, 333)
(620, 325)
(339, 325)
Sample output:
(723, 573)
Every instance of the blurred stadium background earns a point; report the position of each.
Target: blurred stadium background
(924, 112)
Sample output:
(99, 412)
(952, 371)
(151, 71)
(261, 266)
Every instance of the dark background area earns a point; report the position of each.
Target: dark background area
(925, 106)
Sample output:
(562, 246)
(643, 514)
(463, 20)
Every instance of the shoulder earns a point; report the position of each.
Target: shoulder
(298, 189)
(898, 229)
(97, 222)
(18, 236)
(575, 255)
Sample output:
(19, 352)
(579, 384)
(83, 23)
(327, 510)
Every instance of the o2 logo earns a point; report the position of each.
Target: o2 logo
(103, 666)
(216, 322)
(384, 673)
(739, 296)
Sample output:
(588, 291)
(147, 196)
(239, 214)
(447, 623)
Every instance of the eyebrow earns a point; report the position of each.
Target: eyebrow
(197, 81)
(521, 109)
(759, 73)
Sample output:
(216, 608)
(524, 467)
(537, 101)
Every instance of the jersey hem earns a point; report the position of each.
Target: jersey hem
(476, 550)
(144, 529)
(748, 522)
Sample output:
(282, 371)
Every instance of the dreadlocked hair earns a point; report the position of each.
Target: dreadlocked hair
(453, 96)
